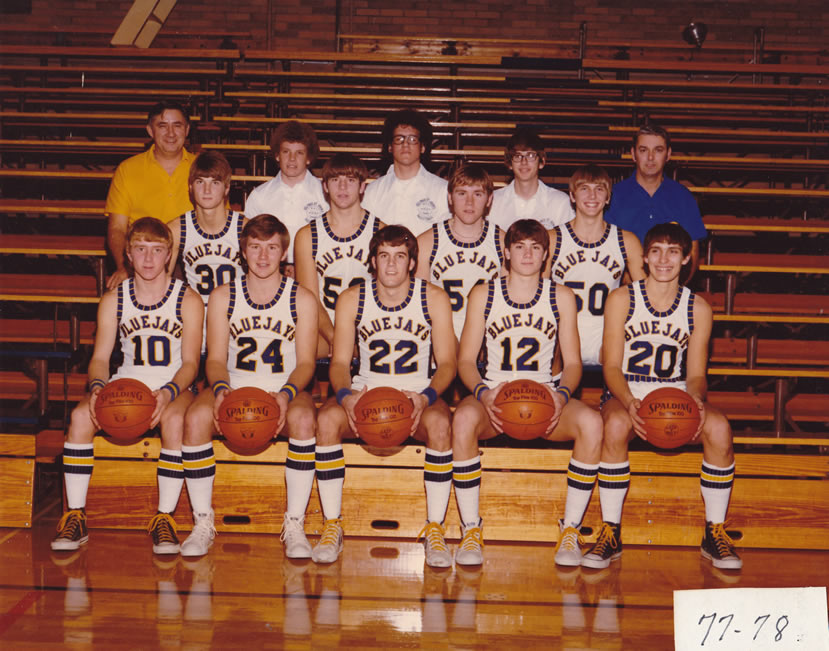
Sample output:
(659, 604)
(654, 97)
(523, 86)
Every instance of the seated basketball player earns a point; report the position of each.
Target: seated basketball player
(520, 318)
(649, 327)
(395, 319)
(158, 322)
(330, 252)
(261, 332)
(590, 256)
(466, 248)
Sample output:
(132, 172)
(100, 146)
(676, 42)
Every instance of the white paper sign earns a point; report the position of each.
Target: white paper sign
(751, 619)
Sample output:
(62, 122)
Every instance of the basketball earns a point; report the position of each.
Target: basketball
(526, 409)
(248, 418)
(124, 409)
(671, 417)
(384, 417)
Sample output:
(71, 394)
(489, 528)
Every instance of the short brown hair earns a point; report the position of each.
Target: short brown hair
(670, 233)
(263, 227)
(212, 164)
(527, 229)
(149, 229)
(471, 175)
(524, 139)
(591, 174)
(295, 131)
(344, 164)
(394, 235)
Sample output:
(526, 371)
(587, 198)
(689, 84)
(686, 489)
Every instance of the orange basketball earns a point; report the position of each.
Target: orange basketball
(124, 409)
(384, 417)
(526, 409)
(248, 418)
(671, 417)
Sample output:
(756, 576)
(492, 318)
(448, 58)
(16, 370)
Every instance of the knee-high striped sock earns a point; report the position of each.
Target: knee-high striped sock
(580, 480)
(199, 472)
(715, 485)
(437, 476)
(467, 480)
(299, 475)
(170, 474)
(77, 471)
(330, 465)
(614, 481)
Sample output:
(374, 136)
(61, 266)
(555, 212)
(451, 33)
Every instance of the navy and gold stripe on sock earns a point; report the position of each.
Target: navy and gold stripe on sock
(77, 461)
(170, 465)
(438, 467)
(614, 477)
(467, 475)
(199, 464)
(711, 477)
(330, 465)
(581, 477)
(301, 457)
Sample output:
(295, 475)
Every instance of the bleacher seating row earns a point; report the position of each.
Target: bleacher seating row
(754, 154)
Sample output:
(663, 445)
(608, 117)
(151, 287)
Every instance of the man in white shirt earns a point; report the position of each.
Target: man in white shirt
(408, 194)
(526, 197)
(294, 195)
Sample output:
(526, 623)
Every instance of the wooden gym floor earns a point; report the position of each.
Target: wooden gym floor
(113, 593)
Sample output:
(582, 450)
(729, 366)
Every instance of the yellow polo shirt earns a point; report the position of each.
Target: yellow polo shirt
(142, 188)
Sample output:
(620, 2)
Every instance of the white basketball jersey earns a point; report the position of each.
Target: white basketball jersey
(459, 266)
(592, 270)
(150, 335)
(340, 261)
(656, 342)
(210, 259)
(394, 342)
(262, 347)
(520, 338)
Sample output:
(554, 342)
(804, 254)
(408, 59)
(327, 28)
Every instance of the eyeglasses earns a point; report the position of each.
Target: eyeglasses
(412, 140)
(521, 156)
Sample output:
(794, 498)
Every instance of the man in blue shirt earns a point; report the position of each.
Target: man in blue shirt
(648, 197)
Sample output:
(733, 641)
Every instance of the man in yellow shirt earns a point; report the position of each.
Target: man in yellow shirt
(150, 184)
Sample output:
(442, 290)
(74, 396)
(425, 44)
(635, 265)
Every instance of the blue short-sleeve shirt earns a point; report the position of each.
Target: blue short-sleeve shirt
(633, 209)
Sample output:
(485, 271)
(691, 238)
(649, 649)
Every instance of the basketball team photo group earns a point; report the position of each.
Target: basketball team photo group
(405, 310)
(359, 324)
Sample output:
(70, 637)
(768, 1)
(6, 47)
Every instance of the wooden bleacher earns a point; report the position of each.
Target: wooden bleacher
(769, 356)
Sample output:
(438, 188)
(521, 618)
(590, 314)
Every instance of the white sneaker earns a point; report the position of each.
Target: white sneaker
(469, 550)
(201, 538)
(434, 543)
(293, 537)
(568, 552)
(330, 544)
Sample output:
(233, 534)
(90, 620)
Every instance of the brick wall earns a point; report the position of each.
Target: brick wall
(312, 23)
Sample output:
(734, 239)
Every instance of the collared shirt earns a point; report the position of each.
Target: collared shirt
(142, 188)
(549, 206)
(633, 209)
(294, 206)
(415, 203)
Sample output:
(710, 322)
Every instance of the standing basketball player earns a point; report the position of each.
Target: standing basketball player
(520, 318)
(208, 236)
(591, 256)
(649, 327)
(158, 321)
(465, 249)
(262, 332)
(394, 318)
(331, 252)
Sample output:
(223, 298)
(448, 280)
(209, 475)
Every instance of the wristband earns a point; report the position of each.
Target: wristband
(289, 390)
(563, 390)
(172, 387)
(431, 395)
(221, 385)
(96, 384)
(342, 394)
(479, 389)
